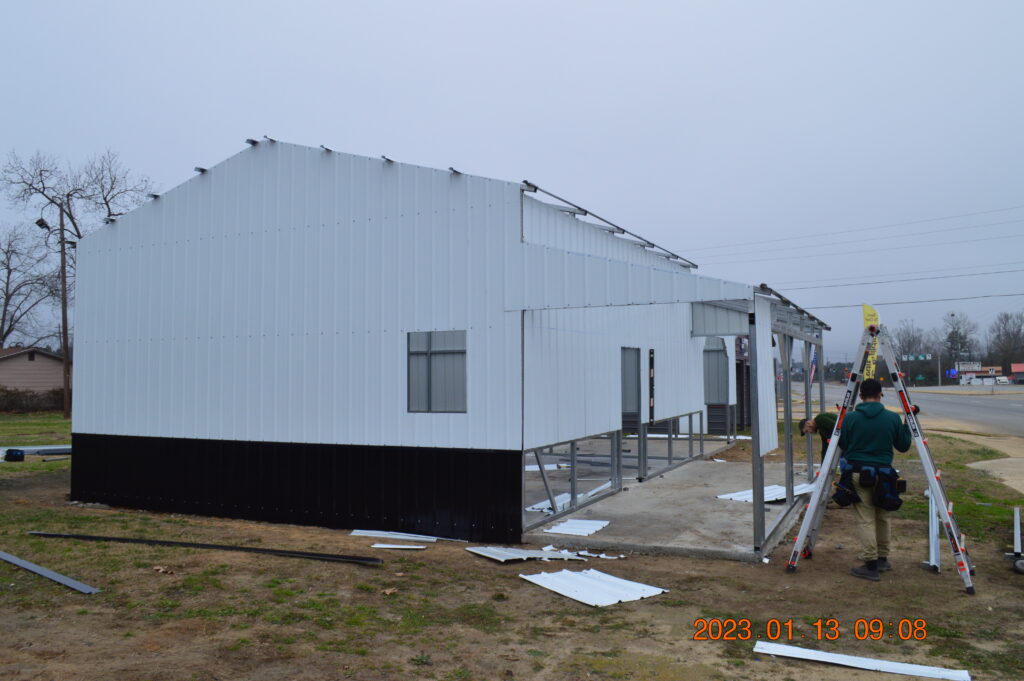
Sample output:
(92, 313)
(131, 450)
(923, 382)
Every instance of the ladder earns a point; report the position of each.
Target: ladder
(815, 508)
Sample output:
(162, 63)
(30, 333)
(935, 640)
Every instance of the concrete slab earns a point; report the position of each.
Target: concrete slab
(678, 513)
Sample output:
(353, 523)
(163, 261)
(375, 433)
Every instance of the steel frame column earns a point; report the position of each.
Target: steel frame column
(572, 473)
(808, 412)
(821, 375)
(641, 452)
(702, 433)
(786, 352)
(616, 460)
(934, 562)
(757, 463)
(673, 424)
(689, 433)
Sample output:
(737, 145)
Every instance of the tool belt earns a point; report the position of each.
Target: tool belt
(884, 483)
(846, 492)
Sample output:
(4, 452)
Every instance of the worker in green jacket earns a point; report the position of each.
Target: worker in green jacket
(869, 434)
(823, 424)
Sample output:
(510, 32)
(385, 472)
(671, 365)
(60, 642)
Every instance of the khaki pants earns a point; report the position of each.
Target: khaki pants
(873, 527)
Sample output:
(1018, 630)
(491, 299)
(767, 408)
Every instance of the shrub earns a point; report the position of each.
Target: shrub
(22, 401)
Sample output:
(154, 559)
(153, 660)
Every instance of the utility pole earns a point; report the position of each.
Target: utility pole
(66, 358)
(66, 368)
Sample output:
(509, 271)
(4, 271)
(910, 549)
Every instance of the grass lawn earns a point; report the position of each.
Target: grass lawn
(445, 614)
(37, 428)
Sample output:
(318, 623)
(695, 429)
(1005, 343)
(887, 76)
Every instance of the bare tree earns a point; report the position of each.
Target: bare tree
(908, 339)
(102, 188)
(27, 287)
(1006, 339)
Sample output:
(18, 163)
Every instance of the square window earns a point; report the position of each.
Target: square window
(437, 371)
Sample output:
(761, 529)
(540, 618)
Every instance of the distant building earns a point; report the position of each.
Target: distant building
(1017, 372)
(30, 369)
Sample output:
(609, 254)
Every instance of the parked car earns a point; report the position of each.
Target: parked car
(1002, 380)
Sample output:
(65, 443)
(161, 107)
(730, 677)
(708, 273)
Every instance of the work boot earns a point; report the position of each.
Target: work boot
(865, 572)
(884, 565)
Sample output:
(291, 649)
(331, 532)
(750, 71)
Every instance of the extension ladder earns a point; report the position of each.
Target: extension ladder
(815, 508)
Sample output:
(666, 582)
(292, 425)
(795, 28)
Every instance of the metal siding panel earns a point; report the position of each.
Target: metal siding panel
(573, 367)
(575, 272)
(547, 226)
(285, 321)
(765, 375)
(593, 281)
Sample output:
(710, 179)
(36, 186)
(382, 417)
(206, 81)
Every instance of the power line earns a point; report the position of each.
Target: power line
(907, 302)
(895, 236)
(942, 269)
(893, 281)
(877, 248)
(866, 229)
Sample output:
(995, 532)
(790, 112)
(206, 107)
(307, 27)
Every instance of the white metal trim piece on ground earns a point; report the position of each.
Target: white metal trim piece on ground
(593, 587)
(392, 535)
(502, 554)
(771, 493)
(578, 527)
(562, 500)
(408, 547)
(862, 662)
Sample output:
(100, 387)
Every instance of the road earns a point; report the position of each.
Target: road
(998, 413)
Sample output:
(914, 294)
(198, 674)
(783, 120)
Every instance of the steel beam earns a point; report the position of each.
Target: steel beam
(786, 351)
(808, 412)
(757, 466)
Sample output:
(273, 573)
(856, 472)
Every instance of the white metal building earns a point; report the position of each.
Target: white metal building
(303, 335)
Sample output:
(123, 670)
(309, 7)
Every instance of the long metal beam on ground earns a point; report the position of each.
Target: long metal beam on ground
(331, 557)
(49, 574)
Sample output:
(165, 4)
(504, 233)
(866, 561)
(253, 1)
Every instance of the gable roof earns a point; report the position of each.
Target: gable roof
(567, 206)
(6, 353)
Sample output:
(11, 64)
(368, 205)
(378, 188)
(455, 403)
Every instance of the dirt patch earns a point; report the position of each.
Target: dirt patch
(1009, 470)
(446, 614)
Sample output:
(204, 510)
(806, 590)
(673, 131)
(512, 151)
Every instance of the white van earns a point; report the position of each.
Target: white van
(1002, 380)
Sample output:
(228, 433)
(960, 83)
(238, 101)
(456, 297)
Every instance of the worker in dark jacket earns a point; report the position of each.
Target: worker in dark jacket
(823, 424)
(867, 439)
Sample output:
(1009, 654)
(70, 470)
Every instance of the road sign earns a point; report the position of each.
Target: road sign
(968, 366)
(991, 371)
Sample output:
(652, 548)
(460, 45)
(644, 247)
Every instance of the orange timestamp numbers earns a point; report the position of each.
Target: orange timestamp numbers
(741, 629)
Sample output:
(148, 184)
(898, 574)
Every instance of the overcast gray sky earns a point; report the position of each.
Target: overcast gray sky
(708, 127)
